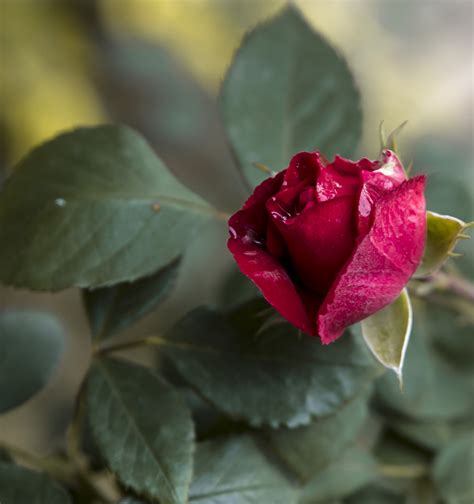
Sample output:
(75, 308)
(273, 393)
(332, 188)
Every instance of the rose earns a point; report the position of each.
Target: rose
(329, 244)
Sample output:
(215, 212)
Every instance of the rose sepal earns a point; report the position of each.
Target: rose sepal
(387, 333)
(442, 234)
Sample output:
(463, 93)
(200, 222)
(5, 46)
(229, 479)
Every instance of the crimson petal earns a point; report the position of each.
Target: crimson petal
(273, 281)
(245, 243)
(319, 240)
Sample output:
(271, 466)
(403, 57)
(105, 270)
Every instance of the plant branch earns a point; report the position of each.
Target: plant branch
(126, 345)
(412, 471)
(455, 284)
(432, 287)
(58, 467)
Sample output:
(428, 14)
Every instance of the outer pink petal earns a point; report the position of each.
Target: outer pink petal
(375, 183)
(381, 264)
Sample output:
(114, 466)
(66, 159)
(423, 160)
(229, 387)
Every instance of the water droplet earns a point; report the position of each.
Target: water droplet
(278, 215)
(233, 232)
(60, 202)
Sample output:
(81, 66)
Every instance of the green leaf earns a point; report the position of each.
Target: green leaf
(387, 333)
(453, 471)
(375, 495)
(90, 208)
(306, 450)
(393, 450)
(235, 289)
(452, 336)
(143, 428)
(22, 486)
(32, 342)
(111, 309)
(430, 435)
(354, 469)
(443, 233)
(271, 376)
(434, 389)
(288, 90)
(236, 470)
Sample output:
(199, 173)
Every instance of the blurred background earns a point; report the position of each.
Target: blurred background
(157, 65)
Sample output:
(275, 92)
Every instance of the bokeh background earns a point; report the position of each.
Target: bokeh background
(157, 65)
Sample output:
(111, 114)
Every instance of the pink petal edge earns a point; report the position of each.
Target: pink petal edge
(382, 262)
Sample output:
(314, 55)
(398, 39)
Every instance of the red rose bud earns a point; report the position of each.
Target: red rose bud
(329, 244)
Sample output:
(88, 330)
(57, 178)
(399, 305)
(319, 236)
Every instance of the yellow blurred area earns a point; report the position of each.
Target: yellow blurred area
(395, 85)
(202, 33)
(46, 87)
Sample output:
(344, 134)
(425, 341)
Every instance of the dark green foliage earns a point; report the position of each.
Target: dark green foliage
(22, 486)
(106, 210)
(271, 376)
(375, 495)
(453, 470)
(111, 309)
(306, 450)
(237, 470)
(354, 469)
(143, 429)
(433, 388)
(288, 90)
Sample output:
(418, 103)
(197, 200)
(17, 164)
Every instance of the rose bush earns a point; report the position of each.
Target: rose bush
(329, 244)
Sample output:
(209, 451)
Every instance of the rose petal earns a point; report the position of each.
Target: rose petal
(381, 264)
(333, 184)
(343, 165)
(286, 203)
(274, 242)
(342, 177)
(274, 283)
(250, 222)
(248, 230)
(319, 240)
(304, 166)
(389, 175)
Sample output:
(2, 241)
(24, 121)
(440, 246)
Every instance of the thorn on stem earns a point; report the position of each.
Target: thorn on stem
(262, 167)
